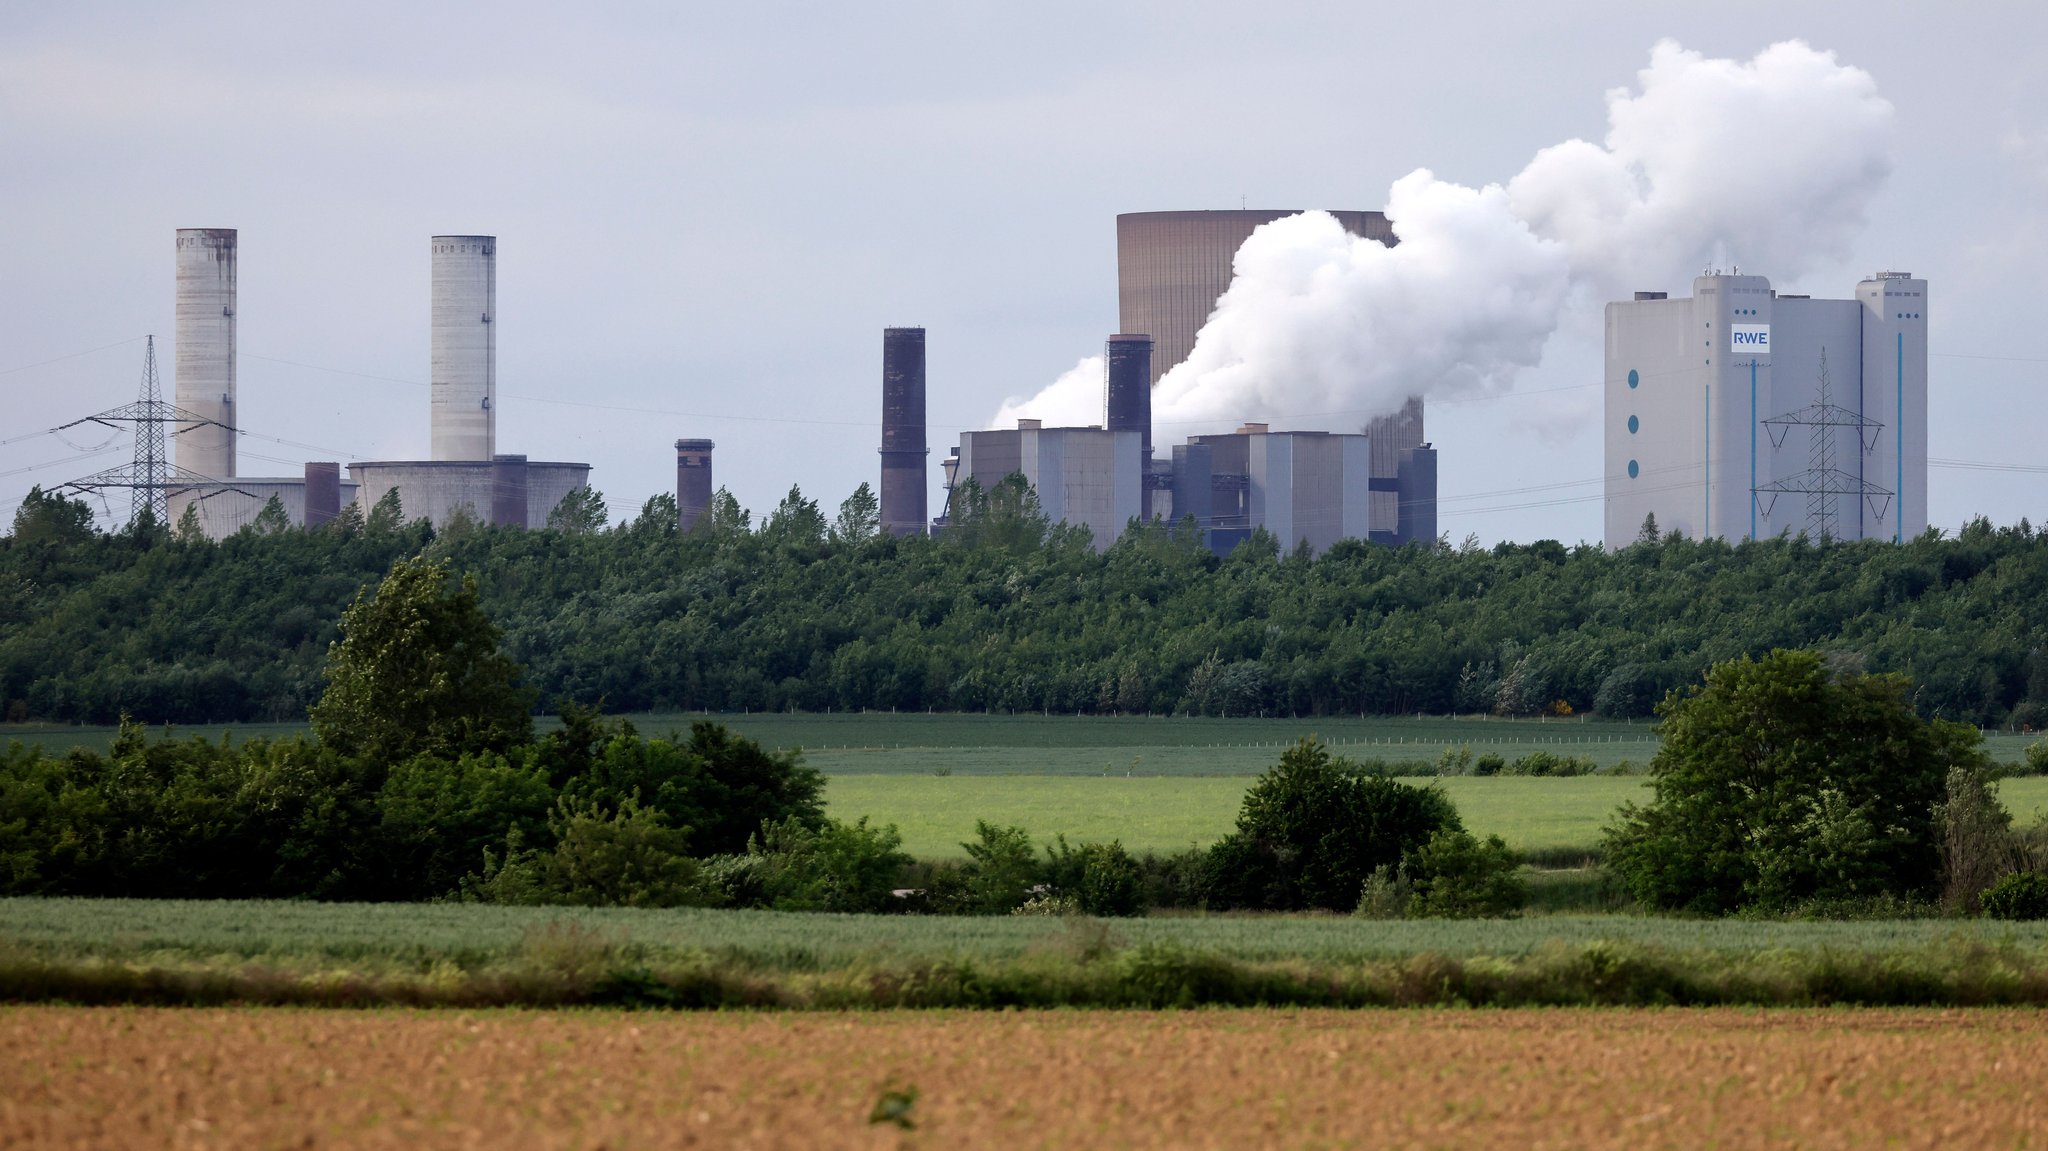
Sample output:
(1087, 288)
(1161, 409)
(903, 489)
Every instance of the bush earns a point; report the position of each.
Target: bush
(1100, 878)
(1458, 876)
(847, 867)
(623, 858)
(2035, 758)
(1492, 763)
(1001, 869)
(1310, 832)
(2021, 895)
(1544, 763)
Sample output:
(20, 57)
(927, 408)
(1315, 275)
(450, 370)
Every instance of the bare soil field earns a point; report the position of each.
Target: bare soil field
(139, 1077)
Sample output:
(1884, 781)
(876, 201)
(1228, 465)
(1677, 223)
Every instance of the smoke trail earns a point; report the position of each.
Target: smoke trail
(1770, 163)
(1075, 400)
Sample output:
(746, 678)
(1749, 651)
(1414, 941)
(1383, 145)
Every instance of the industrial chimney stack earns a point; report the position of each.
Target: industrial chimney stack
(903, 442)
(465, 348)
(206, 349)
(1127, 396)
(693, 484)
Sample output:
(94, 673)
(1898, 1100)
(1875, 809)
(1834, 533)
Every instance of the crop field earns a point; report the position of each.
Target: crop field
(966, 744)
(128, 1077)
(421, 937)
(1552, 817)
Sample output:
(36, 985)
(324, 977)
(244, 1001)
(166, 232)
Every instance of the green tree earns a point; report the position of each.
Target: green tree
(1778, 782)
(417, 669)
(581, 512)
(860, 516)
(1001, 868)
(47, 518)
(1312, 829)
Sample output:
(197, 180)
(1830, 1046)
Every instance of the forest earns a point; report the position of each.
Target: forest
(815, 611)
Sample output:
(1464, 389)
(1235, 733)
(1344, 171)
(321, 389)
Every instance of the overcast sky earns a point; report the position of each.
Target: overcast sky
(707, 213)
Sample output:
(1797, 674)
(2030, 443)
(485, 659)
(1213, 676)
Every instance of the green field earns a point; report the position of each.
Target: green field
(1548, 816)
(1168, 814)
(885, 743)
(384, 937)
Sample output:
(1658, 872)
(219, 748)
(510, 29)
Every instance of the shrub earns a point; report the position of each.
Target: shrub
(1544, 763)
(1492, 763)
(2021, 895)
(1001, 869)
(623, 858)
(1100, 878)
(837, 867)
(2035, 758)
(1976, 837)
(1310, 832)
(1458, 876)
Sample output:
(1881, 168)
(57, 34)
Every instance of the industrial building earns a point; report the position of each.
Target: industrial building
(1304, 487)
(208, 483)
(1743, 413)
(1090, 477)
(1171, 269)
(467, 475)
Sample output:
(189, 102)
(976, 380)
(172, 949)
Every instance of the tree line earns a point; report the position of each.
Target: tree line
(1007, 612)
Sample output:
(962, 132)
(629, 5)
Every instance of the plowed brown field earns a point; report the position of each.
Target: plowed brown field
(121, 1078)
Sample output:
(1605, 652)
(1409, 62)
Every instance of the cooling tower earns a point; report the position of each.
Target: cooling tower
(206, 349)
(693, 484)
(903, 444)
(465, 348)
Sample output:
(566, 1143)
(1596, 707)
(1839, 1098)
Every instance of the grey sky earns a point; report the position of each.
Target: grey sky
(707, 213)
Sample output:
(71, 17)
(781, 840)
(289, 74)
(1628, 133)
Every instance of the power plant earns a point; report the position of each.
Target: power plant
(1743, 413)
(1304, 487)
(467, 476)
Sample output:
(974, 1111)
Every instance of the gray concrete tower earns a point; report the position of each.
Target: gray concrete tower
(465, 348)
(206, 349)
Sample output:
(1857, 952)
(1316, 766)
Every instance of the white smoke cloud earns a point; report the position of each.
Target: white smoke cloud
(1075, 400)
(1770, 163)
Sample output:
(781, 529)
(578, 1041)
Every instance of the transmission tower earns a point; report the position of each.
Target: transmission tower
(151, 477)
(1823, 480)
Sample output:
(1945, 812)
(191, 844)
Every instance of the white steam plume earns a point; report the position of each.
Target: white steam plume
(1075, 400)
(1770, 163)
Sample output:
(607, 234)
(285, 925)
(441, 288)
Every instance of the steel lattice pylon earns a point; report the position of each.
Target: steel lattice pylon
(1823, 480)
(151, 477)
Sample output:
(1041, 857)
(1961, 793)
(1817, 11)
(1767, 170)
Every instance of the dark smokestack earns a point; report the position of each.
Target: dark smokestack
(693, 484)
(1416, 518)
(1129, 393)
(508, 491)
(323, 492)
(1128, 399)
(903, 446)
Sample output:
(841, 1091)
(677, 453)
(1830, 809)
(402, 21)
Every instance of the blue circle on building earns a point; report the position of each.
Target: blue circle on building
(1633, 470)
(1633, 424)
(1633, 379)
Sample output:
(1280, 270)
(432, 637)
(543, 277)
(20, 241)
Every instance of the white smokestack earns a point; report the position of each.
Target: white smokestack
(1769, 163)
(463, 394)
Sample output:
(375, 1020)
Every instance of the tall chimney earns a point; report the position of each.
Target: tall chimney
(693, 484)
(903, 444)
(1127, 396)
(323, 491)
(206, 349)
(465, 348)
